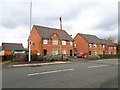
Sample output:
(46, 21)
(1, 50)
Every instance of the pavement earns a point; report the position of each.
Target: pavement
(78, 74)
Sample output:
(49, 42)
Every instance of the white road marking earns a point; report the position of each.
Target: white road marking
(68, 69)
(50, 72)
(97, 66)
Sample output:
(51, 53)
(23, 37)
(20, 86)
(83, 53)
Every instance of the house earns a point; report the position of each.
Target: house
(93, 45)
(12, 48)
(47, 41)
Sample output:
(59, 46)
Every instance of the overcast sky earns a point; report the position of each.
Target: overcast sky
(96, 17)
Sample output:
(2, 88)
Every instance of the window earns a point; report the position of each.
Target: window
(109, 47)
(63, 51)
(103, 46)
(90, 45)
(114, 47)
(103, 52)
(109, 53)
(44, 41)
(114, 53)
(33, 43)
(99, 46)
(54, 42)
(75, 45)
(54, 52)
(95, 53)
(63, 42)
(94, 45)
(70, 43)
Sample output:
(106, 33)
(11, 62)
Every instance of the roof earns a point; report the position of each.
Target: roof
(94, 39)
(12, 46)
(46, 33)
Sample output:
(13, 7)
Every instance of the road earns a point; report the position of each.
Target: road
(90, 74)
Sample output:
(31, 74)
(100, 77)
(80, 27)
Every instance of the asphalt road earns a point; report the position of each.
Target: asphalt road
(91, 74)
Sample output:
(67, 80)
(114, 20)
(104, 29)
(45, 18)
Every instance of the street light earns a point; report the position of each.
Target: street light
(30, 31)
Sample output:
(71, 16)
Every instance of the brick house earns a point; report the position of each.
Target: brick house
(93, 45)
(8, 48)
(47, 41)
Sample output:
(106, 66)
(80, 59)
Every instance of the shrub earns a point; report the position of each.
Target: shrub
(20, 58)
(70, 56)
(55, 58)
(92, 57)
(109, 56)
(47, 57)
(65, 58)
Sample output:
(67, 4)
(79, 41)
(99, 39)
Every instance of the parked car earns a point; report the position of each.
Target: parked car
(79, 55)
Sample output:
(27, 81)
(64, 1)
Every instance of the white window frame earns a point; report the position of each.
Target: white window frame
(103, 46)
(54, 42)
(71, 43)
(54, 52)
(63, 42)
(94, 45)
(109, 53)
(75, 45)
(90, 45)
(114, 47)
(45, 41)
(108, 47)
(63, 51)
(95, 52)
(114, 53)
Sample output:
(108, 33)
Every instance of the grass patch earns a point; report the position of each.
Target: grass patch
(5, 62)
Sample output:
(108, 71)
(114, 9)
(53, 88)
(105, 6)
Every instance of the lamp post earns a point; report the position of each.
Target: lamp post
(61, 36)
(30, 31)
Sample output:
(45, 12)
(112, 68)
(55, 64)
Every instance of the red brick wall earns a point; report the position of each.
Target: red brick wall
(7, 52)
(81, 44)
(37, 40)
(39, 46)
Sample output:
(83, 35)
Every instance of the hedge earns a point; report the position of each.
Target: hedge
(91, 57)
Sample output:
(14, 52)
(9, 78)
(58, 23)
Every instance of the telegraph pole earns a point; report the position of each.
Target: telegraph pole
(30, 31)
(61, 36)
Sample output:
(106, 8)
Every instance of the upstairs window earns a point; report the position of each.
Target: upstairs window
(90, 45)
(54, 42)
(103, 46)
(94, 45)
(70, 43)
(109, 47)
(114, 47)
(63, 42)
(75, 45)
(44, 41)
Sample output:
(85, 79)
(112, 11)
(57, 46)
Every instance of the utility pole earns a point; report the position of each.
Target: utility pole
(30, 31)
(61, 36)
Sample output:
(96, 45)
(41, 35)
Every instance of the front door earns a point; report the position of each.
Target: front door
(89, 52)
(45, 52)
(70, 52)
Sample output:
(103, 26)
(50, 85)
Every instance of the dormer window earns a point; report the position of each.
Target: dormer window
(44, 41)
(54, 42)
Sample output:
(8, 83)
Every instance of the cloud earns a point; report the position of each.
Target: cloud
(79, 16)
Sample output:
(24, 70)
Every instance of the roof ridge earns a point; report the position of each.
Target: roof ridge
(48, 27)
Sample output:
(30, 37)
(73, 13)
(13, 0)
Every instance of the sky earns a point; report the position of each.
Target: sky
(95, 17)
